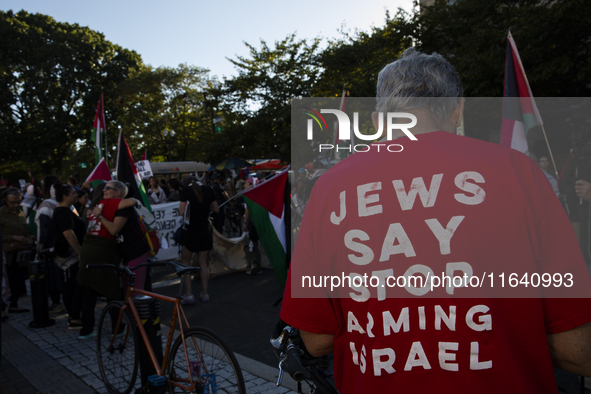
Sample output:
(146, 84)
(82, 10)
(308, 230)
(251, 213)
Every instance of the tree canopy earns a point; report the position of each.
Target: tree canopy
(552, 37)
(256, 103)
(356, 59)
(156, 103)
(51, 76)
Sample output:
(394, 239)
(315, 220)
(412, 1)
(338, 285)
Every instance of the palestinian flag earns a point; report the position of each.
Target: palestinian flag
(520, 112)
(127, 173)
(99, 128)
(267, 208)
(100, 174)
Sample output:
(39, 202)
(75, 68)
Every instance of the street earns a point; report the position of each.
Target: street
(241, 309)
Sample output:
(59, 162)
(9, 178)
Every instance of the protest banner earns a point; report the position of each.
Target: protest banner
(165, 219)
(227, 255)
(144, 169)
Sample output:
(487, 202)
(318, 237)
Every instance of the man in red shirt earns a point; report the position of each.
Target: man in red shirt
(444, 206)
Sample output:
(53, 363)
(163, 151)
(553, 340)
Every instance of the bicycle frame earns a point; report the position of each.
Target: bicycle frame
(176, 315)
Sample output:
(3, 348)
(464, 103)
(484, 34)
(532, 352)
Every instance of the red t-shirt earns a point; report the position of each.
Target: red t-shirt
(444, 205)
(95, 226)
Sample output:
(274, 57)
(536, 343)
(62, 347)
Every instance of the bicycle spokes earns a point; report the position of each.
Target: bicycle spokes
(202, 361)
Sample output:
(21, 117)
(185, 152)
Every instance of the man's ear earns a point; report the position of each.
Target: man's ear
(458, 113)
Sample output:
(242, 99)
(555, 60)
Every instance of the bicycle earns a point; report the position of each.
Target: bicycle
(299, 364)
(197, 362)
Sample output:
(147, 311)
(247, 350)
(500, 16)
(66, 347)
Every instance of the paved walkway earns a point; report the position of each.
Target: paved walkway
(53, 360)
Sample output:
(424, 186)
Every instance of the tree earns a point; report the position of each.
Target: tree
(356, 60)
(171, 99)
(256, 104)
(552, 36)
(51, 76)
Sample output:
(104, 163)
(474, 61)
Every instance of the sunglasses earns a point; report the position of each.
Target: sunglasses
(108, 188)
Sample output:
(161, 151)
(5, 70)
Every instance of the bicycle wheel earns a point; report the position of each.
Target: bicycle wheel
(213, 366)
(117, 355)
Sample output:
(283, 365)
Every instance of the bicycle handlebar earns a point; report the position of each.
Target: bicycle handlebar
(299, 364)
(292, 363)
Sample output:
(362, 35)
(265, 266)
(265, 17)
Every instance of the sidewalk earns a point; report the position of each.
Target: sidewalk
(53, 360)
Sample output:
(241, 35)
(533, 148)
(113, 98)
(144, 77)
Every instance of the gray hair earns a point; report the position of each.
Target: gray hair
(12, 192)
(120, 187)
(414, 80)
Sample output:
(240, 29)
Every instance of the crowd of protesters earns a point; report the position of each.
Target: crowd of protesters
(74, 225)
(54, 222)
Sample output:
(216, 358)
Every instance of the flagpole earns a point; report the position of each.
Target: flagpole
(105, 128)
(336, 137)
(550, 151)
(106, 151)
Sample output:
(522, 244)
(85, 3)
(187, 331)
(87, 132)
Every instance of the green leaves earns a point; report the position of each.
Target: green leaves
(51, 76)
(256, 104)
(552, 38)
(171, 99)
(356, 60)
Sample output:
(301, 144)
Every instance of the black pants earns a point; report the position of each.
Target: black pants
(56, 282)
(89, 299)
(16, 281)
(71, 296)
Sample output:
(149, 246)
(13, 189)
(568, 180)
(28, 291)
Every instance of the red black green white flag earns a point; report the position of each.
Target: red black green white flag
(267, 209)
(99, 128)
(127, 173)
(520, 112)
(100, 174)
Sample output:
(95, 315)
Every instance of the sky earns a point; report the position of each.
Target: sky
(205, 34)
